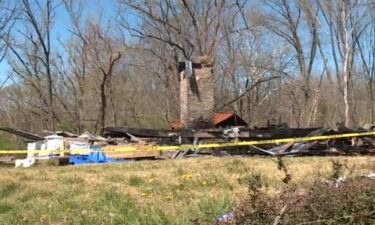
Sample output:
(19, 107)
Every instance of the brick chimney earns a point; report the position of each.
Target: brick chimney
(196, 93)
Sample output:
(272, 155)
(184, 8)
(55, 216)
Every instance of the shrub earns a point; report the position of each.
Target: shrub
(352, 202)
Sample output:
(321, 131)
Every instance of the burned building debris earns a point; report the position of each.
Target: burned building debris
(321, 146)
(220, 120)
(120, 143)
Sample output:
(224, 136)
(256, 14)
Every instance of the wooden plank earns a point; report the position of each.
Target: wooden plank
(136, 154)
(138, 132)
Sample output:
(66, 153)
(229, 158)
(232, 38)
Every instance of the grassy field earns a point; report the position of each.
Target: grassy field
(182, 191)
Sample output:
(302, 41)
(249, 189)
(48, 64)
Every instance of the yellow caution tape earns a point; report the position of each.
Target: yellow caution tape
(187, 147)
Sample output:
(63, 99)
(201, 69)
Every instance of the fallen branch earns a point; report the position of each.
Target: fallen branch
(246, 91)
(280, 216)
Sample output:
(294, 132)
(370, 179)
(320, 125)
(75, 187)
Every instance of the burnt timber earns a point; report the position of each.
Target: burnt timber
(243, 134)
(358, 145)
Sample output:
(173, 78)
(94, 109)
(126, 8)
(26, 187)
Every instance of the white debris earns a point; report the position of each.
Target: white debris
(336, 183)
(370, 176)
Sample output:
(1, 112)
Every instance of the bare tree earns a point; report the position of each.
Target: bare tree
(187, 30)
(366, 48)
(74, 64)
(192, 27)
(342, 18)
(306, 62)
(8, 12)
(31, 52)
(286, 21)
(103, 54)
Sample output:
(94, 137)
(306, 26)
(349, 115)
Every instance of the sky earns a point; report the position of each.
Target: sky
(109, 10)
(62, 24)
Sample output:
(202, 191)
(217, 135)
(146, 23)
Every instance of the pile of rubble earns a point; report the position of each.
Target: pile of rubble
(336, 146)
(147, 142)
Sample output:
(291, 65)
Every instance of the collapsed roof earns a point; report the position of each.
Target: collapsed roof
(220, 119)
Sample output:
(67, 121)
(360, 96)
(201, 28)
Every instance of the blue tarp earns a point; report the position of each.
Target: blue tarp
(93, 157)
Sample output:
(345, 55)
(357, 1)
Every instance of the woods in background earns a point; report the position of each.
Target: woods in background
(304, 62)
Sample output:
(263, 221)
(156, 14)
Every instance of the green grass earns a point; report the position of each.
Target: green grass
(7, 188)
(8, 141)
(134, 180)
(181, 191)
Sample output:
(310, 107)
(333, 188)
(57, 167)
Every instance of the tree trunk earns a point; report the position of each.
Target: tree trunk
(371, 101)
(51, 117)
(346, 72)
(103, 105)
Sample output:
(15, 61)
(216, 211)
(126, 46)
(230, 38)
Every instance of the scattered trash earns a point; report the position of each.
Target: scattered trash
(371, 176)
(226, 218)
(337, 182)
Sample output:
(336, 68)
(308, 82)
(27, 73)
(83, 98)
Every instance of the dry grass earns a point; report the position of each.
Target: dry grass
(179, 191)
